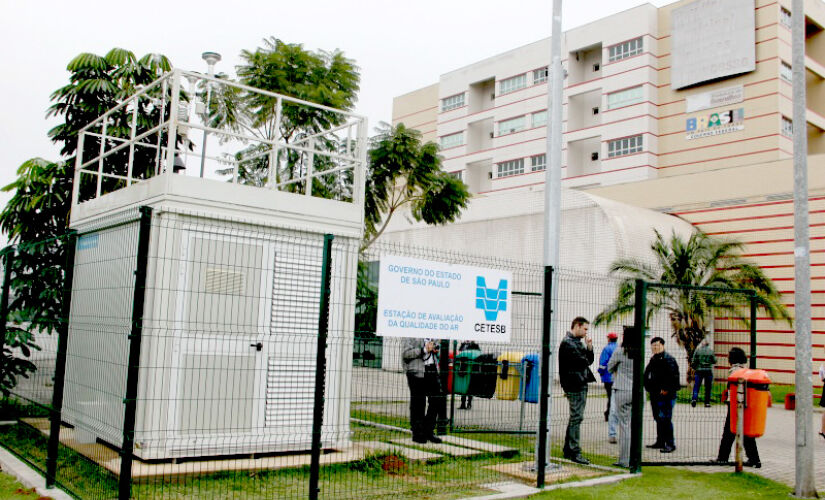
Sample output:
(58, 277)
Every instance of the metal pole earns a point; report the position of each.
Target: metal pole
(804, 484)
(60, 365)
(544, 381)
(753, 332)
(637, 410)
(8, 257)
(452, 392)
(740, 421)
(320, 368)
(552, 216)
(444, 373)
(133, 369)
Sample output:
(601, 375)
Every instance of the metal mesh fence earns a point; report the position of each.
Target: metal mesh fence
(234, 360)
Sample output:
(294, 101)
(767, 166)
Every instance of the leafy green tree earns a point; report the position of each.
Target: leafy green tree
(404, 173)
(36, 218)
(326, 78)
(699, 261)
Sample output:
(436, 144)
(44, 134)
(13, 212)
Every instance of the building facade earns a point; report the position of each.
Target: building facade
(685, 109)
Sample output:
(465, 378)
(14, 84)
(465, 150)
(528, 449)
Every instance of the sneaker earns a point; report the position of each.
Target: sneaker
(755, 465)
(655, 446)
(707, 405)
(619, 464)
(612, 440)
(693, 404)
(580, 460)
(419, 439)
(668, 449)
(434, 439)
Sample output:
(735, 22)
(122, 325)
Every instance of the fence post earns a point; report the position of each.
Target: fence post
(133, 368)
(444, 373)
(60, 364)
(544, 381)
(637, 411)
(320, 368)
(753, 331)
(8, 254)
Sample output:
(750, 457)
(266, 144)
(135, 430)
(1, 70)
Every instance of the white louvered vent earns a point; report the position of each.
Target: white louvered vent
(290, 390)
(296, 292)
(224, 281)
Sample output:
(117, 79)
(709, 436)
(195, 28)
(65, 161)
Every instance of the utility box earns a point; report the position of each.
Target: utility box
(232, 298)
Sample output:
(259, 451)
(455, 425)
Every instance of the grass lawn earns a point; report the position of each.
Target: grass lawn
(12, 490)
(672, 483)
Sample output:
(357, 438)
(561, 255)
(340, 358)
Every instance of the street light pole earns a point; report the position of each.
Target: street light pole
(804, 484)
(211, 59)
(552, 212)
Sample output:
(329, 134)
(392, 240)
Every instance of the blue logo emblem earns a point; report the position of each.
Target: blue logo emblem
(491, 300)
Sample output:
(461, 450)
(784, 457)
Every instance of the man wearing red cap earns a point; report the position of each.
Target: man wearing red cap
(607, 380)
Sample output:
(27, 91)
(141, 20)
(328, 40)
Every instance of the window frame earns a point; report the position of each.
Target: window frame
(517, 165)
(460, 103)
(521, 82)
(786, 127)
(541, 78)
(512, 130)
(538, 167)
(626, 49)
(625, 146)
(459, 144)
(626, 102)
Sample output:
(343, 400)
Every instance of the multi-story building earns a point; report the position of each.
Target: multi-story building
(685, 109)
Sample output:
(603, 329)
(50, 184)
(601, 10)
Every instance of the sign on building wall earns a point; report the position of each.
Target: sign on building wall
(717, 123)
(715, 99)
(425, 299)
(712, 39)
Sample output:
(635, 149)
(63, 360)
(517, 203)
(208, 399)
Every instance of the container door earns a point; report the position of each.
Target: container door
(222, 345)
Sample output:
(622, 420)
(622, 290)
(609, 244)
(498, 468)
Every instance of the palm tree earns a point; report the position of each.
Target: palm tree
(701, 261)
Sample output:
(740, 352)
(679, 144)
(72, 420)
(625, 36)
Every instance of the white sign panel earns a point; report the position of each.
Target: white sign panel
(712, 39)
(716, 123)
(715, 99)
(425, 299)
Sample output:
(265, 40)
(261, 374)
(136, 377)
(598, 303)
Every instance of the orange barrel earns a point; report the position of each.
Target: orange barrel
(757, 398)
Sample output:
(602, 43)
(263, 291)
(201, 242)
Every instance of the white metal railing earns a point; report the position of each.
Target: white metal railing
(164, 129)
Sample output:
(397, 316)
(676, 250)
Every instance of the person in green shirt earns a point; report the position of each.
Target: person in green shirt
(704, 359)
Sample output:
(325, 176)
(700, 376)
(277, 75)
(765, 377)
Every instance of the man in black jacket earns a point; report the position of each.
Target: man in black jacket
(662, 382)
(575, 359)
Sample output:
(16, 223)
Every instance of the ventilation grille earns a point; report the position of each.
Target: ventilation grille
(290, 392)
(223, 281)
(296, 293)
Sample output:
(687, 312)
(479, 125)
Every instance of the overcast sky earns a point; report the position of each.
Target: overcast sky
(399, 46)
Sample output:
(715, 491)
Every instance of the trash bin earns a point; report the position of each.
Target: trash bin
(483, 375)
(464, 363)
(757, 396)
(508, 382)
(790, 401)
(530, 371)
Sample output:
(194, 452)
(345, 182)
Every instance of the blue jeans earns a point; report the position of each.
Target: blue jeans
(701, 377)
(572, 438)
(663, 415)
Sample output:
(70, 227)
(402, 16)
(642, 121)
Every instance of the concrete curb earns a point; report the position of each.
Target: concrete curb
(28, 476)
(520, 490)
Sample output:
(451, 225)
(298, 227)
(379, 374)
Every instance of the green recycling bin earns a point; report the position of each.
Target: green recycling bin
(463, 369)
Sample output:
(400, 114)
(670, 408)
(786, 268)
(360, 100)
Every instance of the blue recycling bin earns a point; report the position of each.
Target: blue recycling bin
(529, 392)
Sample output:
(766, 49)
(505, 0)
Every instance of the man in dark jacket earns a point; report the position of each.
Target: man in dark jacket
(575, 359)
(662, 382)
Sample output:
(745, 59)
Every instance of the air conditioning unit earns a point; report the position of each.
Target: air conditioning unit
(493, 96)
(489, 175)
(492, 134)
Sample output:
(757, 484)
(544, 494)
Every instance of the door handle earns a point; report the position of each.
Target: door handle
(258, 346)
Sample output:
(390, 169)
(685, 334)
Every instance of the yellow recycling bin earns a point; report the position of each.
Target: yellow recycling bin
(509, 375)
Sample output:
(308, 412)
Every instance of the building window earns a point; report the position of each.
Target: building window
(511, 125)
(457, 175)
(625, 146)
(785, 17)
(625, 97)
(785, 71)
(452, 102)
(540, 75)
(452, 140)
(625, 49)
(511, 84)
(539, 118)
(508, 168)
(538, 162)
(787, 127)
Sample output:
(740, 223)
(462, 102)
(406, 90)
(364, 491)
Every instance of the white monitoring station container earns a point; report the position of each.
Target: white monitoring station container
(242, 185)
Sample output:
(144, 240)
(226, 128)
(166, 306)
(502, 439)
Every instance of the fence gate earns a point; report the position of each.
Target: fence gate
(685, 317)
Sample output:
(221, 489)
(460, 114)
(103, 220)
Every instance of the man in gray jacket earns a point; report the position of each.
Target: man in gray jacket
(420, 358)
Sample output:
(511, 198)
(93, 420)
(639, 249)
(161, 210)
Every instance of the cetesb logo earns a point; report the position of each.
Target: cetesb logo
(491, 300)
